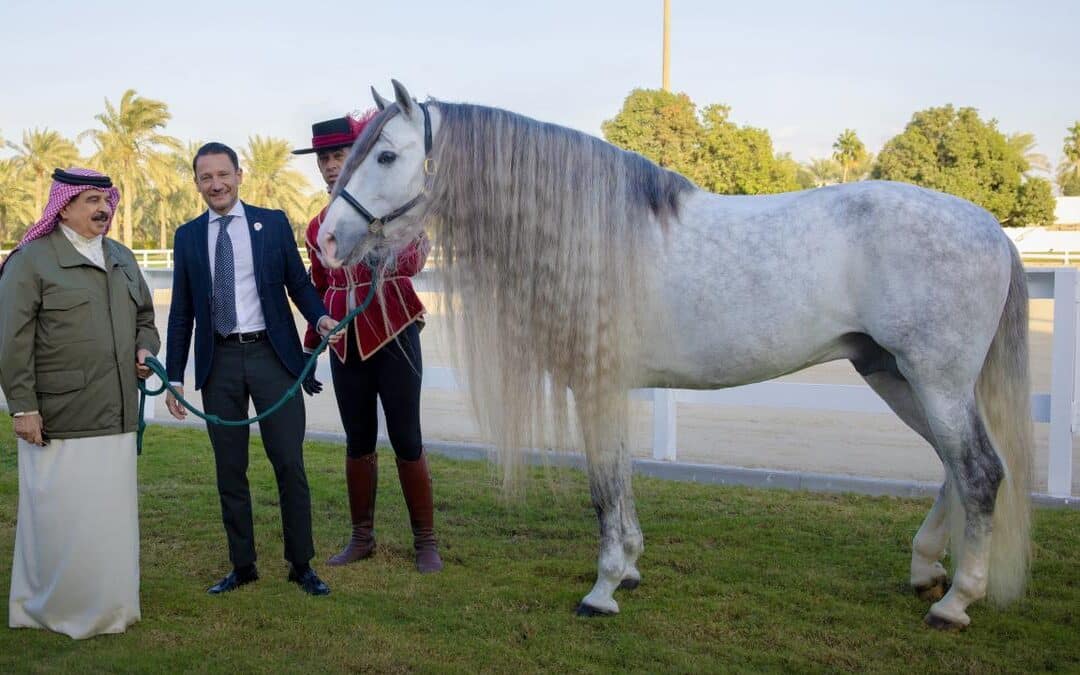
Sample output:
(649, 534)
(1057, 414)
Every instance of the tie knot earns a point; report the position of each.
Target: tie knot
(223, 221)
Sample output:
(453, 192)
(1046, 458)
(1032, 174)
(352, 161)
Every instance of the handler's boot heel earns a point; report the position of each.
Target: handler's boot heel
(416, 486)
(361, 478)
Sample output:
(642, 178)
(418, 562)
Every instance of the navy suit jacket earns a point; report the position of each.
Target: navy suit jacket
(278, 269)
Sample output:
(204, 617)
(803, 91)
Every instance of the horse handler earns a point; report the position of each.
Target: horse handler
(76, 327)
(379, 359)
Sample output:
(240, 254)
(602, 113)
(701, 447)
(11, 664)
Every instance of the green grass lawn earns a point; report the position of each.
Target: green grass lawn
(734, 580)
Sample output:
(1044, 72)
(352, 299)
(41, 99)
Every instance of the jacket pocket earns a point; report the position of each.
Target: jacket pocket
(65, 317)
(133, 286)
(60, 381)
(61, 300)
(136, 293)
(69, 403)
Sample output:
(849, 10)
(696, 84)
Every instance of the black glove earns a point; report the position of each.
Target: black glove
(311, 386)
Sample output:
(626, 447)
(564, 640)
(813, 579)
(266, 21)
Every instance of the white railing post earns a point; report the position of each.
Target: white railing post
(664, 421)
(1063, 378)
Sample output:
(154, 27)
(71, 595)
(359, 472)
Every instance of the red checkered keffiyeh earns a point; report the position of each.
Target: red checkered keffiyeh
(60, 194)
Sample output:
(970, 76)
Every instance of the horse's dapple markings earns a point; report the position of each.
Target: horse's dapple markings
(577, 267)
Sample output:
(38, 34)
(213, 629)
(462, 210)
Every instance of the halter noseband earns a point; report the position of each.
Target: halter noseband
(375, 224)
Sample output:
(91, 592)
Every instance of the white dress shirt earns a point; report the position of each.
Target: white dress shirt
(249, 314)
(89, 248)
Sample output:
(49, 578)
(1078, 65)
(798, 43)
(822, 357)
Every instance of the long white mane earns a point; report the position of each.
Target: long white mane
(541, 231)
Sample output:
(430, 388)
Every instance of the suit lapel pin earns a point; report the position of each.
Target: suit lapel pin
(257, 226)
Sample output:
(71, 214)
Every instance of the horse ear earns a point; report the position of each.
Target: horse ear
(404, 101)
(380, 102)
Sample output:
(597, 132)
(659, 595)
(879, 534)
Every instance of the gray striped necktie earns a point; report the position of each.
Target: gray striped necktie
(224, 280)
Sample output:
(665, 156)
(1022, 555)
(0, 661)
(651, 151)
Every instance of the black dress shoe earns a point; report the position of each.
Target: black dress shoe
(309, 582)
(232, 581)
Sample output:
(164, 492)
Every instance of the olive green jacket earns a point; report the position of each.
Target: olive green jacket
(69, 332)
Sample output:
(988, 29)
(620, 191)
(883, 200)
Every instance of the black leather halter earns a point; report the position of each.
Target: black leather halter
(375, 224)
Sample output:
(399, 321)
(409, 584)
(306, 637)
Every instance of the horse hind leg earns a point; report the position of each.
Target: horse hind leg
(878, 367)
(976, 472)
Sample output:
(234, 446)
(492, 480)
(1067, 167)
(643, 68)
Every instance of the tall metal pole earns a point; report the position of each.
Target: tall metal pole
(666, 80)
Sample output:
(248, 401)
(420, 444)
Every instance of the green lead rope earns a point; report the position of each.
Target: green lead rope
(158, 369)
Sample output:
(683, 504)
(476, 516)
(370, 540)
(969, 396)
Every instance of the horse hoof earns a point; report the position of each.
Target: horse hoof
(629, 583)
(933, 591)
(943, 624)
(590, 611)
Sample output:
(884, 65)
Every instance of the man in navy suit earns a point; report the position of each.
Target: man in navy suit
(233, 266)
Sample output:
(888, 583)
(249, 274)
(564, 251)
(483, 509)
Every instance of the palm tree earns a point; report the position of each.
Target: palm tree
(175, 197)
(849, 151)
(42, 151)
(129, 144)
(1068, 175)
(1023, 144)
(825, 171)
(269, 180)
(16, 199)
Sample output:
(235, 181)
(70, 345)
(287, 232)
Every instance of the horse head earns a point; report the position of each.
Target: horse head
(388, 172)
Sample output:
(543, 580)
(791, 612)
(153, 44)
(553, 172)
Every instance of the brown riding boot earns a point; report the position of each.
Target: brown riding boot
(416, 486)
(361, 478)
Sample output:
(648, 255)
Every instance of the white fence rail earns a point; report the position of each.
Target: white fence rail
(162, 258)
(1059, 407)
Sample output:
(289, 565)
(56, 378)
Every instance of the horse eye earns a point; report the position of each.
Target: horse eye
(387, 157)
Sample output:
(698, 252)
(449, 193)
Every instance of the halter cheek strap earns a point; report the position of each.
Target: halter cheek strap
(375, 224)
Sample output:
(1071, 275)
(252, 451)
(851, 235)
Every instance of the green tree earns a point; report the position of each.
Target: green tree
(129, 146)
(172, 198)
(804, 177)
(315, 202)
(738, 160)
(1034, 204)
(1068, 173)
(42, 151)
(954, 151)
(660, 125)
(1023, 143)
(825, 171)
(269, 180)
(16, 202)
(714, 152)
(849, 152)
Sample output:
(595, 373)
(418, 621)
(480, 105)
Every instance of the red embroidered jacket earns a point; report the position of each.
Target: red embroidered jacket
(373, 327)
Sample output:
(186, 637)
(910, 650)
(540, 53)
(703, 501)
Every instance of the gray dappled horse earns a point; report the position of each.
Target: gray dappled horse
(578, 270)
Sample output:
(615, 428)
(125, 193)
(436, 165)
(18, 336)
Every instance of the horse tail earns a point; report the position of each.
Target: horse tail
(1003, 392)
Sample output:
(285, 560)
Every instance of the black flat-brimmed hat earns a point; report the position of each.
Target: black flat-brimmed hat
(339, 132)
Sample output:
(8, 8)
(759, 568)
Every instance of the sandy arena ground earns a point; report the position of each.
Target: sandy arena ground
(869, 445)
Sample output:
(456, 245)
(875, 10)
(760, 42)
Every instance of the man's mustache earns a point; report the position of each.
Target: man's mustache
(100, 217)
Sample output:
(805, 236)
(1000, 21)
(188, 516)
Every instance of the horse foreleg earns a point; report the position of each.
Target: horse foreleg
(928, 576)
(620, 536)
(632, 542)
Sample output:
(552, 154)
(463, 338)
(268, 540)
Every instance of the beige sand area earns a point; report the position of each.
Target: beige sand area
(868, 445)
